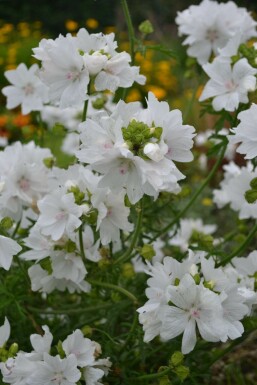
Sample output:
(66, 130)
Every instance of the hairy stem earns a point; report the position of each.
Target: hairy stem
(126, 255)
(116, 288)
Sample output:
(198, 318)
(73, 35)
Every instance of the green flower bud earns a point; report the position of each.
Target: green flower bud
(146, 27)
(99, 103)
(251, 196)
(253, 183)
(209, 284)
(49, 162)
(13, 350)
(60, 349)
(87, 330)
(128, 270)
(182, 372)
(147, 252)
(177, 358)
(6, 223)
(78, 195)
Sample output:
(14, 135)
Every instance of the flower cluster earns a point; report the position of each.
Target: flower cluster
(69, 64)
(183, 295)
(210, 25)
(77, 359)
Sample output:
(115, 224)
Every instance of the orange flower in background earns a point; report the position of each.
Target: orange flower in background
(3, 121)
(71, 25)
(21, 120)
(159, 92)
(92, 23)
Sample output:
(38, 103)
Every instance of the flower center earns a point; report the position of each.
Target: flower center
(212, 35)
(195, 312)
(230, 85)
(24, 184)
(28, 89)
(72, 75)
(61, 215)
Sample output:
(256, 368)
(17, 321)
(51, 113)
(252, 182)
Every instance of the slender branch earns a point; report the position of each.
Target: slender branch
(130, 334)
(152, 376)
(16, 228)
(126, 255)
(81, 244)
(69, 311)
(194, 197)
(114, 287)
(84, 113)
(130, 29)
(241, 247)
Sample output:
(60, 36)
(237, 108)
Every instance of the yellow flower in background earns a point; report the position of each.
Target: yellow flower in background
(71, 25)
(92, 23)
(159, 92)
(207, 202)
(133, 96)
(109, 29)
(7, 28)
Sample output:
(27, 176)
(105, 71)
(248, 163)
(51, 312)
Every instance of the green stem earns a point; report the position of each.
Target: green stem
(241, 247)
(81, 244)
(190, 104)
(152, 376)
(130, 29)
(16, 228)
(126, 255)
(42, 129)
(194, 197)
(84, 113)
(130, 334)
(69, 311)
(114, 287)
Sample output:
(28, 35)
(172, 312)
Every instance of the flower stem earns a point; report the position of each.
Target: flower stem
(241, 247)
(152, 376)
(84, 113)
(81, 244)
(69, 311)
(114, 287)
(130, 29)
(124, 257)
(194, 197)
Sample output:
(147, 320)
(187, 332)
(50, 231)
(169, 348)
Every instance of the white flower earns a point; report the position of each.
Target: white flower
(245, 133)
(40, 245)
(59, 214)
(112, 215)
(209, 26)
(40, 344)
(56, 371)
(111, 146)
(64, 72)
(246, 266)
(8, 248)
(5, 331)
(24, 177)
(181, 237)
(192, 305)
(81, 347)
(232, 190)
(228, 86)
(26, 89)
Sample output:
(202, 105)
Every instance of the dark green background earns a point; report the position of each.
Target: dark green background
(53, 13)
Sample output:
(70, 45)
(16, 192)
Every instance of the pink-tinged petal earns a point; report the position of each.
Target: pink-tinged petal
(189, 337)
(174, 322)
